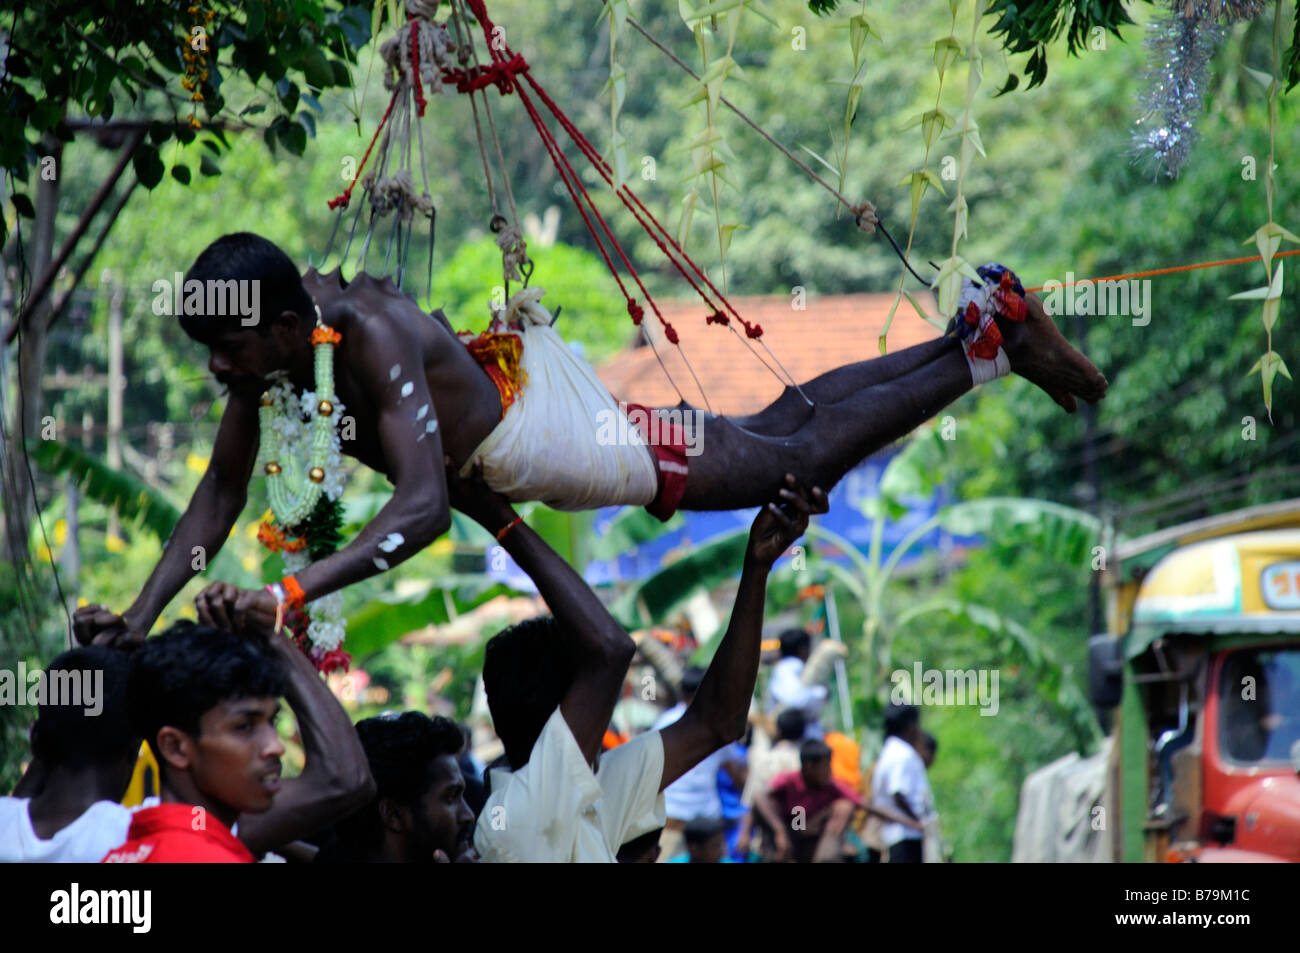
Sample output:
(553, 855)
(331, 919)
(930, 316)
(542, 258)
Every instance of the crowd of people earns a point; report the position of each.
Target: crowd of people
(715, 779)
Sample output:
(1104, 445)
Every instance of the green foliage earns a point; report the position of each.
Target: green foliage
(131, 498)
(69, 58)
(323, 528)
(575, 280)
(1030, 27)
(657, 597)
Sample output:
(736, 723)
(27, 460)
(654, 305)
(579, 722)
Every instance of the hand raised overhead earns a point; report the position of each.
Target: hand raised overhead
(781, 522)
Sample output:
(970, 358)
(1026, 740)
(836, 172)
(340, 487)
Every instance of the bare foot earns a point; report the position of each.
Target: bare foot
(1039, 352)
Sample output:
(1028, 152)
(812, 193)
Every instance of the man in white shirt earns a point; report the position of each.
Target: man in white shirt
(786, 688)
(552, 684)
(66, 807)
(695, 794)
(899, 781)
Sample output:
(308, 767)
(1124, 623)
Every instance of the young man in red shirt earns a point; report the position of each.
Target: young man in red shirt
(809, 811)
(206, 701)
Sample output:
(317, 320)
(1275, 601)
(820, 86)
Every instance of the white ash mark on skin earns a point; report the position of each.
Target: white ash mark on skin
(394, 372)
(391, 542)
(381, 563)
(422, 412)
(408, 389)
(431, 426)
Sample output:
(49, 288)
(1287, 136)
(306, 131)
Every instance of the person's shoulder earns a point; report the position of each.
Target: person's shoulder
(14, 822)
(632, 754)
(668, 716)
(784, 780)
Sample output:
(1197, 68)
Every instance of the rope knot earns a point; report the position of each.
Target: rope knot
(635, 311)
(753, 330)
(670, 333)
(865, 215)
(501, 73)
(717, 317)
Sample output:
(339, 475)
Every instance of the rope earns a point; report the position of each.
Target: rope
(464, 44)
(420, 101)
(864, 212)
(1169, 271)
(346, 196)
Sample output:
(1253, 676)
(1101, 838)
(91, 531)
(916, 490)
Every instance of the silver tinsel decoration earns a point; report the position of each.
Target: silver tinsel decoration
(1180, 44)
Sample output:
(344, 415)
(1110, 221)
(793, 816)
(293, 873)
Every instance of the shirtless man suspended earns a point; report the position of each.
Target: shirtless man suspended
(421, 400)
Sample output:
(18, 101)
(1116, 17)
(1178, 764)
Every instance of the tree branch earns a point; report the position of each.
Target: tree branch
(42, 285)
(62, 304)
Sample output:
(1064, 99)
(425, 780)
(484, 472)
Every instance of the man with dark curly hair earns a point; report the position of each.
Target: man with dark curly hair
(418, 813)
(205, 700)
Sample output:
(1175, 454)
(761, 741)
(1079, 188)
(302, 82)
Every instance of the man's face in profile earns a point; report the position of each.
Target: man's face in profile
(242, 359)
(442, 820)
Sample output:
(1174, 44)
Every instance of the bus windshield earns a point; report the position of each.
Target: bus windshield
(1260, 713)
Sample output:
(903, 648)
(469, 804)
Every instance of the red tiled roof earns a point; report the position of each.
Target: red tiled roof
(832, 331)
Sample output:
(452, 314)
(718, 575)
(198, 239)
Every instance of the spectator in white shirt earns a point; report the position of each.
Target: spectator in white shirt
(695, 794)
(66, 807)
(933, 852)
(899, 781)
(786, 687)
(552, 684)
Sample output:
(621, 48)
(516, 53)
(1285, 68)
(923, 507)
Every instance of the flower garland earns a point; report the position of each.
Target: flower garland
(304, 498)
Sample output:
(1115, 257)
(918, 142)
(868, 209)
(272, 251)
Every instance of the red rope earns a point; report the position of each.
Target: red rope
(503, 74)
(346, 195)
(635, 204)
(576, 189)
(420, 101)
(514, 65)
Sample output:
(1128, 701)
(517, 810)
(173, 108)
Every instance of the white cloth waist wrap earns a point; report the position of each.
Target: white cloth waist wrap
(562, 441)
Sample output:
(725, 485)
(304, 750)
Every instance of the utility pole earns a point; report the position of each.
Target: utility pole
(115, 386)
(1093, 488)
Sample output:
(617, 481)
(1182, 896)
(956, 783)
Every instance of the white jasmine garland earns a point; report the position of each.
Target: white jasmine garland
(296, 437)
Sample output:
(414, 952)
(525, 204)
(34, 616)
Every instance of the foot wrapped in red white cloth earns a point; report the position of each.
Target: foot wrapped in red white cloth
(999, 295)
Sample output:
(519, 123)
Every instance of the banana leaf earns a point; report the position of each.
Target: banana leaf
(656, 598)
(385, 621)
(132, 499)
(631, 528)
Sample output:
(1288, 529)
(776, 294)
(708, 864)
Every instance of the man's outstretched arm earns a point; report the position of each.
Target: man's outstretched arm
(598, 645)
(717, 715)
(202, 530)
(415, 515)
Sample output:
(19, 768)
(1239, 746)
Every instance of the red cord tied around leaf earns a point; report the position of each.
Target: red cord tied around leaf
(717, 317)
(635, 311)
(501, 73)
(420, 101)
